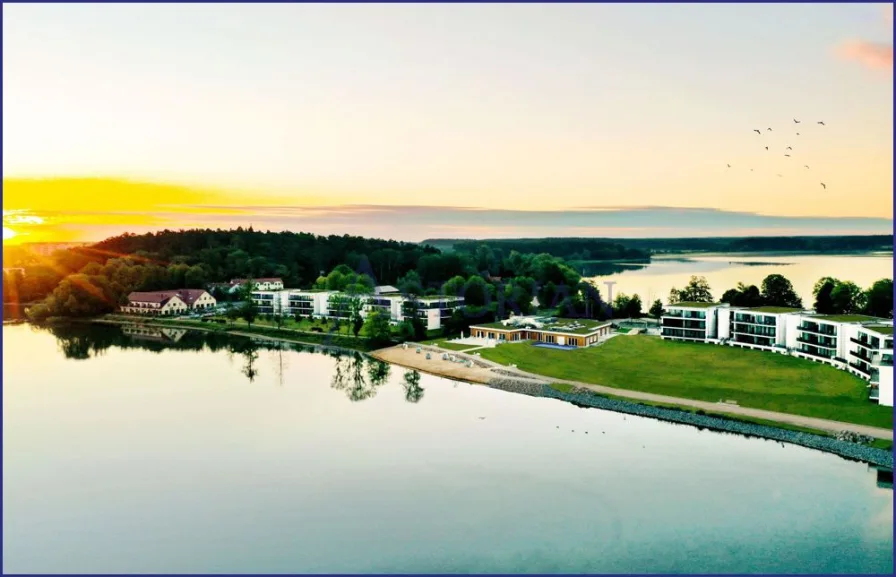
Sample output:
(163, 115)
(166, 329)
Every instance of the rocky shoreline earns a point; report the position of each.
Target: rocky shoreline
(585, 398)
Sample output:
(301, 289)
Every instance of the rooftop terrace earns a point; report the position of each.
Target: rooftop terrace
(567, 326)
(774, 310)
(845, 318)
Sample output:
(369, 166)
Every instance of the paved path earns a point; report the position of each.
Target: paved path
(797, 420)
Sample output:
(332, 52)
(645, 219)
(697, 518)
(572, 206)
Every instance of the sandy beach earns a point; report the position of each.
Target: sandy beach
(409, 358)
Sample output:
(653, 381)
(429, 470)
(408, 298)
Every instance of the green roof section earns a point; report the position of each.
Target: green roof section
(564, 326)
(774, 310)
(693, 305)
(880, 329)
(844, 318)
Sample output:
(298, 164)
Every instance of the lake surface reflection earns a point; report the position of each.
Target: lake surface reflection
(185, 452)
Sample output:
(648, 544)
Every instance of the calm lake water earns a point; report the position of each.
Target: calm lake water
(723, 272)
(185, 452)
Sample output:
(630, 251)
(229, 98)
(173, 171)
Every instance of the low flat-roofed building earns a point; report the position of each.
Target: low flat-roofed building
(561, 332)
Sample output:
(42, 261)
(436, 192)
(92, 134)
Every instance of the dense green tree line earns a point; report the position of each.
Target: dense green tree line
(573, 248)
(566, 248)
(831, 295)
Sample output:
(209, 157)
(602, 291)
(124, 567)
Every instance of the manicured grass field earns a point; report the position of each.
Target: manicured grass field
(707, 373)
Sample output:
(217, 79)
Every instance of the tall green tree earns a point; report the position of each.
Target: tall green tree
(879, 299)
(379, 329)
(633, 309)
(656, 309)
(696, 291)
(847, 298)
(777, 291)
(824, 287)
(743, 296)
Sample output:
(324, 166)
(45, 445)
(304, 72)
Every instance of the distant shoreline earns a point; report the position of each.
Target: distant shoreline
(674, 255)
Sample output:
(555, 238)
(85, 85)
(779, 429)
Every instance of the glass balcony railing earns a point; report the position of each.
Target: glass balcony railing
(685, 315)
(822, 353)
(762, 321)
(827, 344)
(861, 367)
(862, 354)
(818, 329)
(685, 323)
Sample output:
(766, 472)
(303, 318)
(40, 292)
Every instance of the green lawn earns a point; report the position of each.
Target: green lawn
(707, 373)
(448, 346)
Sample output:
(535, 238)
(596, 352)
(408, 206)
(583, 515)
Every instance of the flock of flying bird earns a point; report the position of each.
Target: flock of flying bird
(789, 149)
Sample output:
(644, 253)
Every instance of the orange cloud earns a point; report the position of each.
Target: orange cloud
(871, 54)
(875, 55)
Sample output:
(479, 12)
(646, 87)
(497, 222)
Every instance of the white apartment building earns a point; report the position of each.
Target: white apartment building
(292, 302)
(434, 311)
(689, 321)
(761, 328)
(859, 344)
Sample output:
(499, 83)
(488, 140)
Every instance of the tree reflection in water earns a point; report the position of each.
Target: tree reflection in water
(358, 375)
(413, 392)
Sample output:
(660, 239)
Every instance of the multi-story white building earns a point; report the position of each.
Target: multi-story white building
(689, 321)
(292, 302)
(761, 328)
(870, 356)
(434, 311)
(859, 344)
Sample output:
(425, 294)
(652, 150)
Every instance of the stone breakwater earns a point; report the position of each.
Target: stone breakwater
(521, 386)
(843, 448)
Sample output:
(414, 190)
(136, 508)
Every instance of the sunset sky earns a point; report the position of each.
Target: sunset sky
(476, 120)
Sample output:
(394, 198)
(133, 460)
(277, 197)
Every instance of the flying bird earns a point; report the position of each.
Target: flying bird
(766, 147)
(769, 129)
(795, 121)
(751, 170)
(821, 123)
(788, 148)
(729, 166)
(797, 133)
(824, 186)
(757, 131)
(780, 175)
(787, 155)
(806, 165)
